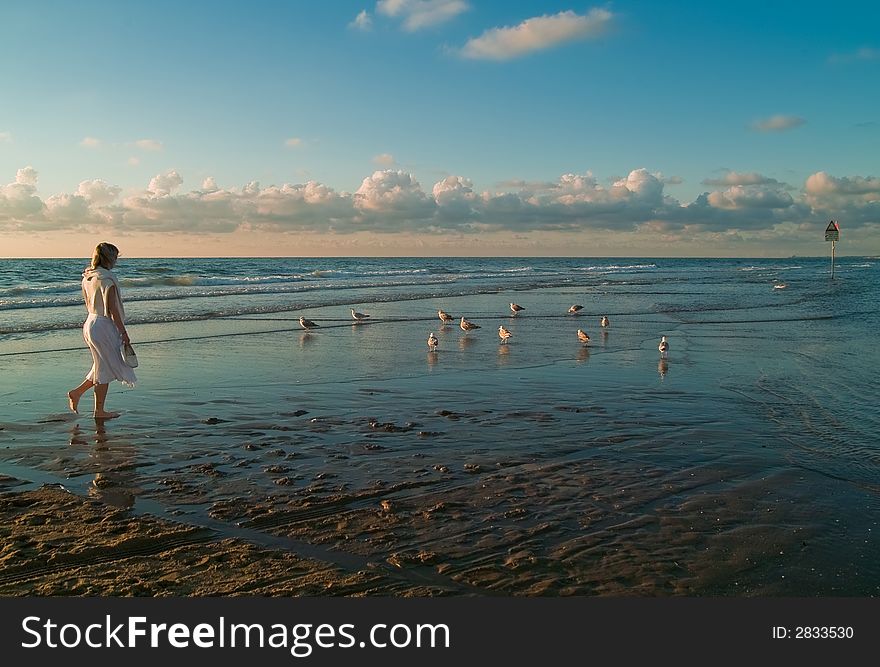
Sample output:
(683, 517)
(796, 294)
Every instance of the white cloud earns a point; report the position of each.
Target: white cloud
(642, 185)
(5, 137)
(419, 14)
(134, 161)
(19, 204)
(151, 145)
(822, 183)
(391, 7)
(98, 192)
(384, 160)
(293, 142)
(779, 123)
(393, 201)
(745, 197)
(393, 192)
(90, 142)
(363, 21)
(536, 34)
(26, 176)
(165, 184)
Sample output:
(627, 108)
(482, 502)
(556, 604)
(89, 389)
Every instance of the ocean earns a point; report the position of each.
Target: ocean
(747, 463)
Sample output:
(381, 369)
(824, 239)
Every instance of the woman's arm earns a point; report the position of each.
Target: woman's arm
(115, 312)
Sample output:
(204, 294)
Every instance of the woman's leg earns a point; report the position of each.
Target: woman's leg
(74, 395)
(100, 396)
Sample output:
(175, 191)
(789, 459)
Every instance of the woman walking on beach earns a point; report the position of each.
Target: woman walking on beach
(104, 331)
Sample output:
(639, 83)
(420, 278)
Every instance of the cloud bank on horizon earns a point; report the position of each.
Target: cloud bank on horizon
(393, 201)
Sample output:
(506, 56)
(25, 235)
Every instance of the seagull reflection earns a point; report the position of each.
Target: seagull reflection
(663, 368)
(583, 354)
(503, 354)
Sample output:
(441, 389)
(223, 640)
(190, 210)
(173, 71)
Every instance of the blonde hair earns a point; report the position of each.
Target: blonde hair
(105, 255)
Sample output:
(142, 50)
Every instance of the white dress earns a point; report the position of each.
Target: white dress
(100, 332)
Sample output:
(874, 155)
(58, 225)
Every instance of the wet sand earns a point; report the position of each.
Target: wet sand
(57, 543)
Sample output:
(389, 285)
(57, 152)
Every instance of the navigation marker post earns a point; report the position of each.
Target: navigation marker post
(832, 233)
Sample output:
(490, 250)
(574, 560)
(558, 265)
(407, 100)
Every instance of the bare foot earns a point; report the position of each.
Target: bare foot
(72, 402)
(106, 415)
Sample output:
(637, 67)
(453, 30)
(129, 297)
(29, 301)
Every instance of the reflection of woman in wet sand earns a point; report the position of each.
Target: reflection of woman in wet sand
(115, 482)
(104, 331)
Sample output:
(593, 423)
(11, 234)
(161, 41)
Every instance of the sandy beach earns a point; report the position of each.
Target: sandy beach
(353, 461)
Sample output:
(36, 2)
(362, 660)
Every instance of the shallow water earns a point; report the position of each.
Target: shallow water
(745, 464)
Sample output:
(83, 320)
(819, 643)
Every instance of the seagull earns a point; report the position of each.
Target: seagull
(576, 307)
(468, 326)
(503, 334)
(433, 342)
(307, 324)
(445, 317)
(515, 307)
(604, 321)
(663, 347)
(358, 316)
(583, 337)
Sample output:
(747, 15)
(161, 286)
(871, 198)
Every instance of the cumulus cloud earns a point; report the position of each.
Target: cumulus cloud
(393, 201)
(418, 14)
(165, 184)
(90, 142)
(98, 192)
(19, 203)
(384, 160)
(293, 142)
(26, 176)
(822, 183)
(133, 161)
(537, 34)
(779, 123)
(5, 137)
(744, 197)
(363, 21)
(392, 192)
(151, 145)
(853, 199)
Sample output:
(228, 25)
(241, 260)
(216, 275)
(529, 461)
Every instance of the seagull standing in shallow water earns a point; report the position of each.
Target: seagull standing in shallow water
(515, 307)
(307, 324)
(467, 326)
(604, 321)
(663, 347)
(583, 337)
(358, 316)
(575, 308)
(445, 317)
(433, 342)
(503, 334)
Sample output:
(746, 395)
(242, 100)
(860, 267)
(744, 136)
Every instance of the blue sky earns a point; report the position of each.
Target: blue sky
(291, 92)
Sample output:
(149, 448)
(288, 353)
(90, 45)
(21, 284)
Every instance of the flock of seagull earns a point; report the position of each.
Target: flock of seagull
(504, 334)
